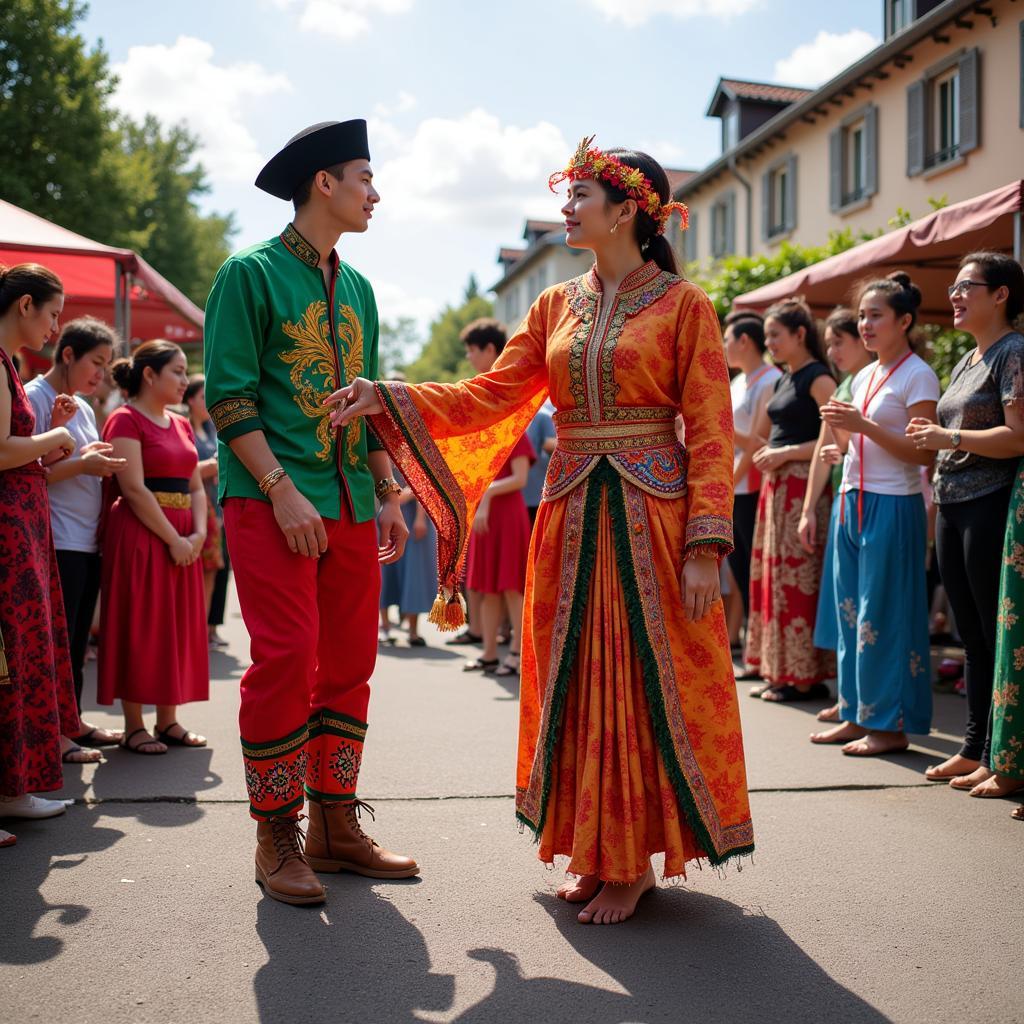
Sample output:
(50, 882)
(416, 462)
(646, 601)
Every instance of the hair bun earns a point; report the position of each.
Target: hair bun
(902, 278)
(121, 371)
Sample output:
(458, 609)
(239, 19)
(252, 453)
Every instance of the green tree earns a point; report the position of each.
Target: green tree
(443, 357)
(398, 340)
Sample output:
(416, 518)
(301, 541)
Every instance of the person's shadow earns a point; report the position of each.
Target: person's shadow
(687, 957)
(357, 959)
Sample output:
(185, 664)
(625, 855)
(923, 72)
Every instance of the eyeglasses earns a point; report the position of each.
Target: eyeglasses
(963, 287)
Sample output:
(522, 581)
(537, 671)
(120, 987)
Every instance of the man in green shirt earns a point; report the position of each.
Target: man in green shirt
(287, 323)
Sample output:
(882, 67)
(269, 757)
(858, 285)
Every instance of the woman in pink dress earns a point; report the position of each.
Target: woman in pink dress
(153, 646)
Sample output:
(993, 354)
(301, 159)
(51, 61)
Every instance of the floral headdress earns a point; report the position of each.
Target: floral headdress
(589, 162)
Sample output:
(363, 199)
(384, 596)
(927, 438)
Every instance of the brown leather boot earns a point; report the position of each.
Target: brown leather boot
(337, 842)
(280, 866)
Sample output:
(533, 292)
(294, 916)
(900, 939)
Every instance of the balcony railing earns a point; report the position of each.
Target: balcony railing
(942, 156)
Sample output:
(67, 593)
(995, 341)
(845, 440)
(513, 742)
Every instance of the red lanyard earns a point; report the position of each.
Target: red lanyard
(756, 376)
(870, 395)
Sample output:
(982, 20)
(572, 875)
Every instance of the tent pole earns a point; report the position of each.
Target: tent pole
(1017, 241)
(118, 325)
(127, 316)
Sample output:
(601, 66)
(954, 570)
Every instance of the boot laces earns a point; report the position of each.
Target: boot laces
(354, 810)
(288, 839)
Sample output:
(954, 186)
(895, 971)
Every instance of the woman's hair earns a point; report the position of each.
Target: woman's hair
(39, 283)
(127, 373)
(901, 295)
(196, 383)
(793, 314)
(82, 336)
(654, 246)
(483, 332)
(751, 326)
(844, 320)
(999, 269)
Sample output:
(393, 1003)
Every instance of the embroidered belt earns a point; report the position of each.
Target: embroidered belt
(640, 443)
(170, 491)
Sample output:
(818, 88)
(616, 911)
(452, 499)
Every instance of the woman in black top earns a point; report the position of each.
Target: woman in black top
(784, 578)
(979, 438)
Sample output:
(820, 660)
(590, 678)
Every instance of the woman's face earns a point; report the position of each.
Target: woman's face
(168, 386)
(85, 374)
(783, 344)
(197, 406)
(589, 217)
(879, 326)
(38, 323)
(845, 350)
(975, 305)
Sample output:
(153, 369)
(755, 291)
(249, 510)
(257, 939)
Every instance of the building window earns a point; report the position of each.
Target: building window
(731, 128)
(856, 165)
(723, 225)
(943, 113)
(689, 238)
(897, 16)
(778, 199)
(853, 159)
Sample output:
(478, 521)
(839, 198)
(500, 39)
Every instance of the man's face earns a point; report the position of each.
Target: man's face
(481, 359)
(352, 197)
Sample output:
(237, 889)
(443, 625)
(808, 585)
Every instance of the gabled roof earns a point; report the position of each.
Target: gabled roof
(729, 89)
(678, 177)
(510, 255)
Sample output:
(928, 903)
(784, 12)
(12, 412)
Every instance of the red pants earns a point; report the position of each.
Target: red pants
(313, 637)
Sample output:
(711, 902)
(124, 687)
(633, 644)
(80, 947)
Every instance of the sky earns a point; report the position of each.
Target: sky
(471, 104)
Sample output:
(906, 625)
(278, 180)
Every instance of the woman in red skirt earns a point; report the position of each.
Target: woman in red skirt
(153, 615)
(37, 696)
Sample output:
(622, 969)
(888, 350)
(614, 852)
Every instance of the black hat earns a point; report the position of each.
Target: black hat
(314, 148)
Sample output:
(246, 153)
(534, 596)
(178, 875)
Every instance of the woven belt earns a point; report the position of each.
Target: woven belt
(609, 437)
(172, 499)
(170, 491)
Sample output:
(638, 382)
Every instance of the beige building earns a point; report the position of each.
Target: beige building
(935, 112)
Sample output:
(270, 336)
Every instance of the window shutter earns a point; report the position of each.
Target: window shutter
(766, 205)
(915, 128)
(690, 239)
(835, 169)
(970, 109)
(791, 193)
(730, 224)
(871, 150)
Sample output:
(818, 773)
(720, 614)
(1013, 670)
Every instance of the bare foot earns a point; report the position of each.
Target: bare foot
(997, 786)
(842, 733)
(876, 743)
(616, 903)
(828, 714)
(579, 890)
(951, 768)
(72, 753)
(979, 775)
(1018, 813)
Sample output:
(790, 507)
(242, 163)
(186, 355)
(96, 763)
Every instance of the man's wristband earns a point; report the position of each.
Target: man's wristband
(382, 488)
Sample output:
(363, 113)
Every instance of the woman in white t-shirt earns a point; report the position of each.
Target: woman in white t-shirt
(74, 487)
(880, 539)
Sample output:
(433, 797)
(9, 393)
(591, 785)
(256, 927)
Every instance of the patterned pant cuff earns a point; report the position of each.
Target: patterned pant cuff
(335, 756)
(275, 772)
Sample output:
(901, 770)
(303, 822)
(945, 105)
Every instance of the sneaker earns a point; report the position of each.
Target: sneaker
(29, 806)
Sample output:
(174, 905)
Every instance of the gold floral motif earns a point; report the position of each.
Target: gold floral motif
(1016, 559)
(1006, 696)
(312, 369)
(1007, 616)
(849, 609)
(866, 637)
(1018, 659)
(350, 341)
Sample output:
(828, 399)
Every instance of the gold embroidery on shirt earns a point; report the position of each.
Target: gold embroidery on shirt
(312, 369)
(350, 341)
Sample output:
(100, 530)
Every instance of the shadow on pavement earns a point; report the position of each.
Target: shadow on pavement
(427, 653)
(688, 957)
(356, 960)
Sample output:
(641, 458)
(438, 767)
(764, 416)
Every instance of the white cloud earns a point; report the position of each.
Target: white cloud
(813, 64)
(402, 105)
(182, 83)
(473, 170)
(395, 300)
(344, 19)
(639, 12)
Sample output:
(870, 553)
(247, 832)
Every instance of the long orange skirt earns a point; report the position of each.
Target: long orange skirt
(630, 742)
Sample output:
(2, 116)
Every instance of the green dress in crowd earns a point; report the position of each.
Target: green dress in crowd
(1007, 712)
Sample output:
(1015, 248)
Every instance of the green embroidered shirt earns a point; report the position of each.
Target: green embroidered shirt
(273, 354)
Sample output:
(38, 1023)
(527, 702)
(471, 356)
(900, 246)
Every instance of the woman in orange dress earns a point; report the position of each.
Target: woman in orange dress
(630, 740)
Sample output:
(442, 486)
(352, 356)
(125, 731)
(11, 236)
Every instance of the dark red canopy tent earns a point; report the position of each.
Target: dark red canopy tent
(929, 250)
(116, 285)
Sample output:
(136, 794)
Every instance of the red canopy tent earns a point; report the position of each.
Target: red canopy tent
(116, 285)
(929, 250)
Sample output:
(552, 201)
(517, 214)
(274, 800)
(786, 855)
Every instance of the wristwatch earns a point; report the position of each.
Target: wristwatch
(954, 439)
(382, 488)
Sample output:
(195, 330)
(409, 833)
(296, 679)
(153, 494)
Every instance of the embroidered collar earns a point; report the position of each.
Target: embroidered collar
(633, 281)
(300, 247)
(638, 290)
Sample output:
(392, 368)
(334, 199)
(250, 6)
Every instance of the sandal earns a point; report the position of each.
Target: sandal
(88, 739)
(139, 748)
(506, 668)
(417, 641)
(789, 694)
(756, 691)
(166, 736)
(464, 638)
(69, 755)
(486, 665)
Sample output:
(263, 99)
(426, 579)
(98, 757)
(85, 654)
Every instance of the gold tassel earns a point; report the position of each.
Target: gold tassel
(5, 672)
(448, 612)
(436, 615)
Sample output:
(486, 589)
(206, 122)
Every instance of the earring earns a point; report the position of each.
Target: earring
(615, 227)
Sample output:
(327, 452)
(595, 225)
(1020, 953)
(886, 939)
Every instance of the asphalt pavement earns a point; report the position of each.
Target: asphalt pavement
(873, 895)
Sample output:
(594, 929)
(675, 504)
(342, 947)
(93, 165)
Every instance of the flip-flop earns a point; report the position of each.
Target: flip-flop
(68, 758)
(125, 744)
(164, 736)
